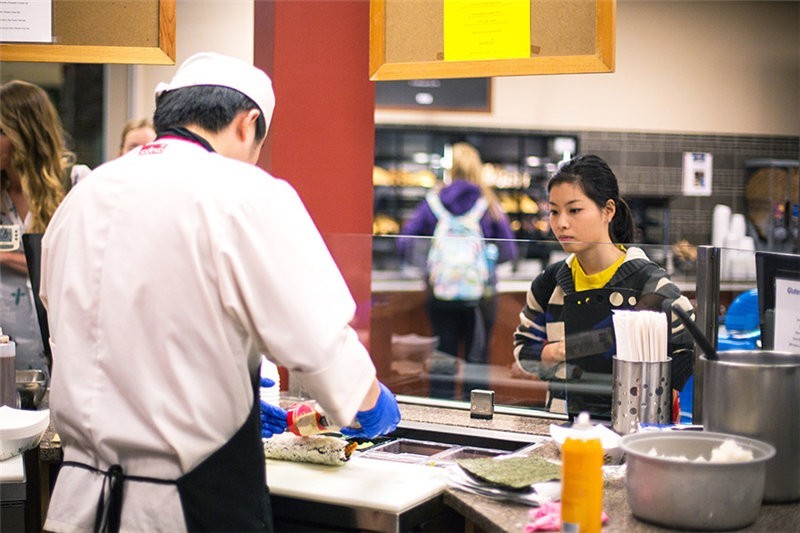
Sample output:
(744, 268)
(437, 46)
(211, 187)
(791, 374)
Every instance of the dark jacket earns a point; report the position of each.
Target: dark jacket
(542, 318)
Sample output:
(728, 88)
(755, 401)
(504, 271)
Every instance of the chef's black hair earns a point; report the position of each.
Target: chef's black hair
(211, 107)
(598, 182)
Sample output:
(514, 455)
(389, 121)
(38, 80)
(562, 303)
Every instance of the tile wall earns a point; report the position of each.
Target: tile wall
(650, 164)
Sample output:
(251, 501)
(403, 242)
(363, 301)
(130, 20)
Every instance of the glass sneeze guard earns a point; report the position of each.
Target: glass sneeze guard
(412, 361)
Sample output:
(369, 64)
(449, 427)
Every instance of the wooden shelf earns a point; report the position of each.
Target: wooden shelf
(567, 37)
(113, 31)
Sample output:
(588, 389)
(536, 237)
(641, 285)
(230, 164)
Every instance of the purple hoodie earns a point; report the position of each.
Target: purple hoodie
(458, 198)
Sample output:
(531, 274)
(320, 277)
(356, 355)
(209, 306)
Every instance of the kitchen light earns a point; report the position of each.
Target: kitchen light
(424, 98)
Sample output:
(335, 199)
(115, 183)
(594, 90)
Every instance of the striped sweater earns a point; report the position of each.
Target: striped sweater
(542, 317)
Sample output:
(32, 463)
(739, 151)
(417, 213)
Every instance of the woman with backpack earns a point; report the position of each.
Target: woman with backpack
(566, 327)
(462, 307)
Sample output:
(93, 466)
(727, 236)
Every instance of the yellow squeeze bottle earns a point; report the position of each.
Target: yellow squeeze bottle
(581, 479)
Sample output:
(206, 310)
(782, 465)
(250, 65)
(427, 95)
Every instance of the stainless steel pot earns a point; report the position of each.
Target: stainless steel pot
(666, 484)
(756, 394)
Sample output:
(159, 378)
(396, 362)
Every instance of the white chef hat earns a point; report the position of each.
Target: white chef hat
(209, 68)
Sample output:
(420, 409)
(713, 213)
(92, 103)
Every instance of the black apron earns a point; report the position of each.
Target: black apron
(226, 492)
(590, 344)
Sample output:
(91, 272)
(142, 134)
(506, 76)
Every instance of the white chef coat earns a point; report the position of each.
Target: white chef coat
(165, 274)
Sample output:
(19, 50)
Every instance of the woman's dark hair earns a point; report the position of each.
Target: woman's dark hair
(211, 107)
(598, 182)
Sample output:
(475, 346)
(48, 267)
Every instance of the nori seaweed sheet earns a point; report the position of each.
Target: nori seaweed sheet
(512, 473)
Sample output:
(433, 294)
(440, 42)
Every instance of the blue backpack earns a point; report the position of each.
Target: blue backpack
(458, 268)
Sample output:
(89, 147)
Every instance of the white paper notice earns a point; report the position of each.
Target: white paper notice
(697, 173)
(787, 315)
(26, 21)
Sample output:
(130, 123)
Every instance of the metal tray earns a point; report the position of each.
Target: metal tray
(407, 450)
(468, 452)
(427, 452)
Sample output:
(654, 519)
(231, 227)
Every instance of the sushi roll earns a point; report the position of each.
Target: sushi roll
(318, 449)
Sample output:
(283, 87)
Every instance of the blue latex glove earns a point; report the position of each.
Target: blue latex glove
(273, 418)
(380, 420)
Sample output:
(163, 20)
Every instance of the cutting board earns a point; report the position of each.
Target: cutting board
(370, 483)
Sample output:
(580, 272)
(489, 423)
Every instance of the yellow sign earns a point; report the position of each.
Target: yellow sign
(486, 29)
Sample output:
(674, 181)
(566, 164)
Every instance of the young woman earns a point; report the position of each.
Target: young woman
(565, 327)
(34, 166)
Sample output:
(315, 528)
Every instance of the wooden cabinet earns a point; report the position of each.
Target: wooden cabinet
(407, 41)
(113, 31)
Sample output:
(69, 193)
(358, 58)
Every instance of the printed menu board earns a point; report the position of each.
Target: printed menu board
(787, 315)
(26, 21)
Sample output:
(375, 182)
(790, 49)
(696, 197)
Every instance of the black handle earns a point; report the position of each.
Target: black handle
(700, 339)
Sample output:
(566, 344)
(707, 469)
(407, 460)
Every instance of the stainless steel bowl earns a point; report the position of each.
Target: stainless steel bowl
(31, 386)
(684, 494)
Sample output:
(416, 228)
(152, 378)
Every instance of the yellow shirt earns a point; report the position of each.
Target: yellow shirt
(585, 282)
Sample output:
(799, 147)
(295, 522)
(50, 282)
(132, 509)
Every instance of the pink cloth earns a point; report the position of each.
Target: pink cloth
(547, 517)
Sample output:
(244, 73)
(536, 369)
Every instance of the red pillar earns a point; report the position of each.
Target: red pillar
(322, 135)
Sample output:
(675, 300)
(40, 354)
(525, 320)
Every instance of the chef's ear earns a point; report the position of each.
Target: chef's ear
(245, 122)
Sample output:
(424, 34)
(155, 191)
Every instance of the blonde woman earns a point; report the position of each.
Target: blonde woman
(136, 133)
(464, 327)
(33, 166)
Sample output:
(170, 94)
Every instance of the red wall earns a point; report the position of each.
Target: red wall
(322, 135)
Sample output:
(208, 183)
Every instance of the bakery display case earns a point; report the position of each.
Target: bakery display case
(409, 160)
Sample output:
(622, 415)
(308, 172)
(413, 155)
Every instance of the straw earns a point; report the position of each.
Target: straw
(641, 335)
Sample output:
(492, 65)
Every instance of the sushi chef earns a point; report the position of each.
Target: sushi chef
(165, 275)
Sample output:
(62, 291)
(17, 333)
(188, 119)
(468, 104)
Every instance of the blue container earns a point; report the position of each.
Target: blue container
(743, 312)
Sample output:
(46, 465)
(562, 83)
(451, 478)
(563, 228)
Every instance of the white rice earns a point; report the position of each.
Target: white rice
(727, 452)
